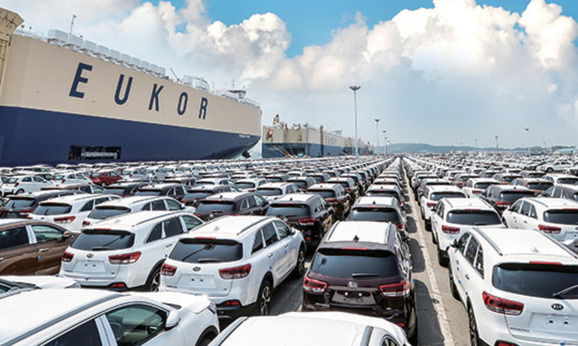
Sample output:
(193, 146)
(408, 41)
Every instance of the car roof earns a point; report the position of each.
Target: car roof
(444, 188)
(130, 220)
(229, 226)
(77, 198)
(324, 186)
(467, 203)
(377, 200)
(363, 231)
(548, 203)
(228, 196)
(276, 184)
(131, 200)
(297, 197)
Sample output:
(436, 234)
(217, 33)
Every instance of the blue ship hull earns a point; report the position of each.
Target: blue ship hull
(29, 136)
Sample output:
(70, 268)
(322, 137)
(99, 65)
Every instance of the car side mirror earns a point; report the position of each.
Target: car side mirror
(67, 235)
(454, 244)
(173, 320)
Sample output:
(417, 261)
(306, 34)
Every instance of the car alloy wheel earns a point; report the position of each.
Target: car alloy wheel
(265, 298)
(300, 266)
(453, 287)
(474, 336)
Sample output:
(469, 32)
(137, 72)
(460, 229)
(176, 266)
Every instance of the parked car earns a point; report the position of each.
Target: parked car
(124, 189)
(17, 185)
(562, 191)
(197, 193)
(20, 206)
(176, 191)
(432, 195)
(380, 209)
(474, 187)
(31, 247)
(515, 292)
(335, 195)
(273, 191)
(501, 197)
(561, 179)
(536, 185)
(98, 317)
(84, 187)
(363, 267)
(237, 262)
(105, 177)
(231, 203)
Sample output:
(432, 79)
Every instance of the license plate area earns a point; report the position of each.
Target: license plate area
(554, 322)
(202, 281)
(353, 297)
(91, 266)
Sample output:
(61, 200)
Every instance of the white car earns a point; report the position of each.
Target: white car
(312, 329)
(69, 211)
(127, 251)
(17, 185)
(431, 197)
(474, 187)
(273, 191)
(519, 287)
(130, 205)
(67, 178)
(97, 317)
(249, 185)
(13, 283)
(454, 215)
(556, 217)
(236, 261)
(561, 179)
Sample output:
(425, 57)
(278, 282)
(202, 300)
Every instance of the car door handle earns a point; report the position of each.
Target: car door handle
(286, 245)
(44, 249)
(1, 258)
(270, 255)
(458, 262)
(169, 245)
(467, 276)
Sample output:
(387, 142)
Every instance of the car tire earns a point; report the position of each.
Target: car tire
(442, 258)
(300, 266)
(474, 335)
(453, 287)
(550, 170)
(264, 298)
(433, 237)
(19, 192)
(154, 280)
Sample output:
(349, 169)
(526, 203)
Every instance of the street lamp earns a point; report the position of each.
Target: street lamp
(377, 131)
(497, 146)
(355, 88)
(385, 140)
(528, 135)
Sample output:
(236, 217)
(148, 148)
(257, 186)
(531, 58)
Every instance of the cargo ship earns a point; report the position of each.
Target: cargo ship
(64, 99)
(281, 140)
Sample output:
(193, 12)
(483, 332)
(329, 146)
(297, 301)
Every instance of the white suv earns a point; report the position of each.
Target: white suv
(130, 205)
(431, 197)
(69, 211)
(24, 184)
(519, 287)
(452, 216)
(237, 261)
(126, 251)
(476, 186)
(557, 217)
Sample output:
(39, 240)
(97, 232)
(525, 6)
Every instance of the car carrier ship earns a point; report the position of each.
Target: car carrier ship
(64, 99)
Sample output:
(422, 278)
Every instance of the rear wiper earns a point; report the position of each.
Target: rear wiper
(564, 291)
(208, 260)
(100, 248)
(364, 275)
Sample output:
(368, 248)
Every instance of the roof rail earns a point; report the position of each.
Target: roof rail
(156, 217)
(249, 226)
(489, 240)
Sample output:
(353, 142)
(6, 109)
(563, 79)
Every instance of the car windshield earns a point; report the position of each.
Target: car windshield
(269, 191)
(374, 214)
(52, 209)
(512, 196)
(148, 192)
(474, 217)
(528, 279)
(104, 212)
(323, 193)
(436, 196)
(215, 206)
(563, 217)
(288, 209)
(17, 202)
(570, 181)
(102, 240)
(198, 250)
(355, 263)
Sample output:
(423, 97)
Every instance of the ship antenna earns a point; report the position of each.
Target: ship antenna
(174, 74)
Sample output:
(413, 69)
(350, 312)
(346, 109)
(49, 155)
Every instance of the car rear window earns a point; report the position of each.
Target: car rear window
(12, 180)
(148, 192)
(564, 216)
(269, 191)
(528, 279)
(483, 185)
(436, 196)
(323, 193)
(116, 190)
(95, 175)
(104, 212)
(342, 183)
(102, 240)
(512, 196)
(215, 206)
(474, 217)
(377, 193)
(199, 250)
(244, 185)
(345, 263)
(19, 203)
(570, 181)
(299, 183)
(539, 186)
(192, 194)
(374, 214)
(288, 209)
(52, 209)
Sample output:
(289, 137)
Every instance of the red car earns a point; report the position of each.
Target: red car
(105, 177)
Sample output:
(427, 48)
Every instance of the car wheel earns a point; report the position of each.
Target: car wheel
(154, 280)
(300, 266)
(206, 340)
(550, 170)
(474, 335)
(19, 192)
(442, 259)
(433, 237)
(264, 298)
(453, 287)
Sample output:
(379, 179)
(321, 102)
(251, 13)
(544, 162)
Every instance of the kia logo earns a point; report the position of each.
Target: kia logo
(352, 284)
(89, 255)
(196, 269)
(557, 306)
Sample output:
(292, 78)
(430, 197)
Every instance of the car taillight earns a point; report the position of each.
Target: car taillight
(63, 180)
(306, 222)
(504, 343)
(168, 270)
(332, 200)
(67, 257)
(68, 219)
(23, 211)
(400, 289)
(230, 303)
(235, 272)
(128, 258)
(400, 225)
(549, 229)
(431, 204)
(450, 230)
(86, 223)
(502, 203)
(314, 286)
(502, 306)
(17, 183)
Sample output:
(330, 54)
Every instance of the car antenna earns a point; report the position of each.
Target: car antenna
(356, 238)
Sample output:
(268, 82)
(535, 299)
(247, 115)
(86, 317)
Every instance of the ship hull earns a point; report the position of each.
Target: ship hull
(271, 150)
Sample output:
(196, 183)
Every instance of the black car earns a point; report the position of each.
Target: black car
(124, 189)
(502, 196)
(231, 203)
(196, 193)
(19, 206)
(307, 212)
(363, 268)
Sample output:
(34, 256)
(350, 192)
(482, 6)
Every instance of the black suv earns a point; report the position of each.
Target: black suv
(307, 212)
(231, 203)
(21, 205)
(363, 267)
(502, 196)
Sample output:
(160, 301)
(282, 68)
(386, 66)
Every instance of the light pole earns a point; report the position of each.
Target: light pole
(497, 146)
(377, 131)
(528, 135)
(355, 88)
(72, 24)
(385, 140)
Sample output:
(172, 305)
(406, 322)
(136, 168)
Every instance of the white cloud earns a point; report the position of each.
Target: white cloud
(449, 74)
